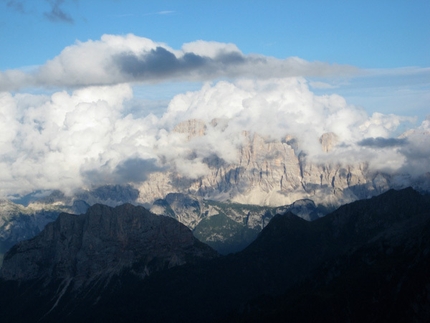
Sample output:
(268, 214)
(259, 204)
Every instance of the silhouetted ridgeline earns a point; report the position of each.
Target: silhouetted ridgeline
(366, 262)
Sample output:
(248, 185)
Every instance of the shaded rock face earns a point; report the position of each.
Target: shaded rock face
(18, 222)
(112, 195)
(25, 220)
(366, 262)
(374, 260)
(102, 243)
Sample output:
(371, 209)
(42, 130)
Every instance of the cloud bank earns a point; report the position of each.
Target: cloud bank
(72, 140)
(88, 135)
(131, 59)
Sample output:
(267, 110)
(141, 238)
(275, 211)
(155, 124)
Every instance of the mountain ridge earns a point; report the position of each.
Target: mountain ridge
(103, 241)
(275, 171)
(283, 274)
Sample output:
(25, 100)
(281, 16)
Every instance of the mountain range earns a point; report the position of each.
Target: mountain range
(366, 261)
(264, 170)
(227, 227)
(228, 204)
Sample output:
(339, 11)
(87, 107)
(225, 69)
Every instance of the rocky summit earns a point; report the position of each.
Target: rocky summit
(273, 171)
(102, 243)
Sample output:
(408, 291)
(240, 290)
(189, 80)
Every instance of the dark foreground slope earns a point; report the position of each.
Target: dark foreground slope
(367, 261)
(382, 273)
(77, 258)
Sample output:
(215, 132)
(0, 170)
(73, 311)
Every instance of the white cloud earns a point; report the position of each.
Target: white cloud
(88, 136)
(279, 107)
(49, 139)
(119, 59)
(321, 85)
(69, 140)
(210, 49)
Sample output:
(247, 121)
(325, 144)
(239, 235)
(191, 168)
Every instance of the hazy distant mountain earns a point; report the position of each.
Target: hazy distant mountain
(367, 261)
(18, 222)
(23, 218)
(227, 227)
(256, 171)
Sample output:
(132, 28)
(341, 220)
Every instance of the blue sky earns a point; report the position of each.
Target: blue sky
(87, 86)
(367, 34)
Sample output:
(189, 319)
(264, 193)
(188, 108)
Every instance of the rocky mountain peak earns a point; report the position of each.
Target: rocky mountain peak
(272, 171)
(193, 128)
(328, 141)
(101, 243)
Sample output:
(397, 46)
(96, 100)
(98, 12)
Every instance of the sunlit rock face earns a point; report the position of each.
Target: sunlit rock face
(192, 128)
(269, 171)
(328, 141)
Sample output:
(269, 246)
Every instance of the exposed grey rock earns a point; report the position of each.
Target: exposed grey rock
(18, 222)
(111, 195)
(328, 141)
(192, 128)
(227, 227)
(274, 172)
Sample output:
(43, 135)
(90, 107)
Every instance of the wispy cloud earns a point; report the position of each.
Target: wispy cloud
(56, 12)
(16, 5)
(321, 85)
(163, 12)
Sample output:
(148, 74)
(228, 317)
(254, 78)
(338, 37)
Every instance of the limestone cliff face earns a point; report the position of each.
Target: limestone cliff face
(328, 141)
(192, 128)
(191, 210)
(102, 243)
(227, 227)
(269, 172)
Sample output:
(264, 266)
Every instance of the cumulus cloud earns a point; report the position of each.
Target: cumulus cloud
(48, 141)
(88, 137)
(120, 59)
(279, 107)
(417, 151)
